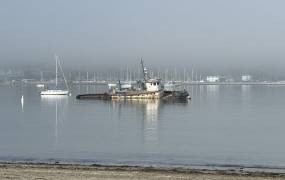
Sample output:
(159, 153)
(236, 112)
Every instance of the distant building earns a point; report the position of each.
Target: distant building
(246, 78)
(213, 78)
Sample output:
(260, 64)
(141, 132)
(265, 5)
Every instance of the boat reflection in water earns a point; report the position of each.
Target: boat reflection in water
(146, 113)
(57, 105)
(151, 124)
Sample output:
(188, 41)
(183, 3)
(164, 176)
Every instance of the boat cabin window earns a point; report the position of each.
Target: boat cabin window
(154, 83)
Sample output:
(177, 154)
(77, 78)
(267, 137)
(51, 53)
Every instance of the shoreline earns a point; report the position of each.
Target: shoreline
(282, 83)
(96, 171)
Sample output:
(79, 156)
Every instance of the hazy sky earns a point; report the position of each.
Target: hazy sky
(213, 34)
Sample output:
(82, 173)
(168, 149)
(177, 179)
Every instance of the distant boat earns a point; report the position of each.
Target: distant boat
(126, 85)
(122, 85)
(112, 85)
(40, 85)
(57, 91)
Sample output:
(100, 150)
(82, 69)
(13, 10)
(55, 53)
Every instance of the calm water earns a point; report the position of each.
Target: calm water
(221, 125)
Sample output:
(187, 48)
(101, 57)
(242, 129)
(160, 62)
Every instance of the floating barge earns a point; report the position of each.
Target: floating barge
(149, 88)
(165, 95)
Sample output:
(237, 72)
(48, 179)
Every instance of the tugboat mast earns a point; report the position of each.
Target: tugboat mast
(144, 71)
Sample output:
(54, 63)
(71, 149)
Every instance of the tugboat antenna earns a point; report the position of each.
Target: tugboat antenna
(144, 71)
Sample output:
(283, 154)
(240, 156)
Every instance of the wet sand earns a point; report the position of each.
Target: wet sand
(72, 172)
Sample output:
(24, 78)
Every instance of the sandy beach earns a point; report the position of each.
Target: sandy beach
(72, 172)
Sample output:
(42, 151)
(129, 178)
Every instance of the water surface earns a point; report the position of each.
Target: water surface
(221, 125)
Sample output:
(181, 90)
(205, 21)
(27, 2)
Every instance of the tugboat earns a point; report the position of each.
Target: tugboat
(148, 88)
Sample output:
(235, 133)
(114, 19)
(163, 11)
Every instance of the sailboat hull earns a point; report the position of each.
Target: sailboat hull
(54, 92)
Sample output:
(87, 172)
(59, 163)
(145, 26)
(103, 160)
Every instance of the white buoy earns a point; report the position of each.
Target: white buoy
(22, 102)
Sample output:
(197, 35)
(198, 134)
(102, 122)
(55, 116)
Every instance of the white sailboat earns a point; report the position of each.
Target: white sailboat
(57, 91)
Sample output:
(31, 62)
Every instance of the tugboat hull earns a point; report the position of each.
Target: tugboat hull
(137, 95)
(165, 95)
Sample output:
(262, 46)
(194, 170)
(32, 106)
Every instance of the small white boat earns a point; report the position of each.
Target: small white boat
(40, 85)
(56, 91)
(126, 85)
(122, 85)
(112, 85)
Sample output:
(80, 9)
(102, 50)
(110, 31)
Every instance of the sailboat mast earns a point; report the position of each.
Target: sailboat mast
(42, 77)
(56, 71)
(63, 75)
